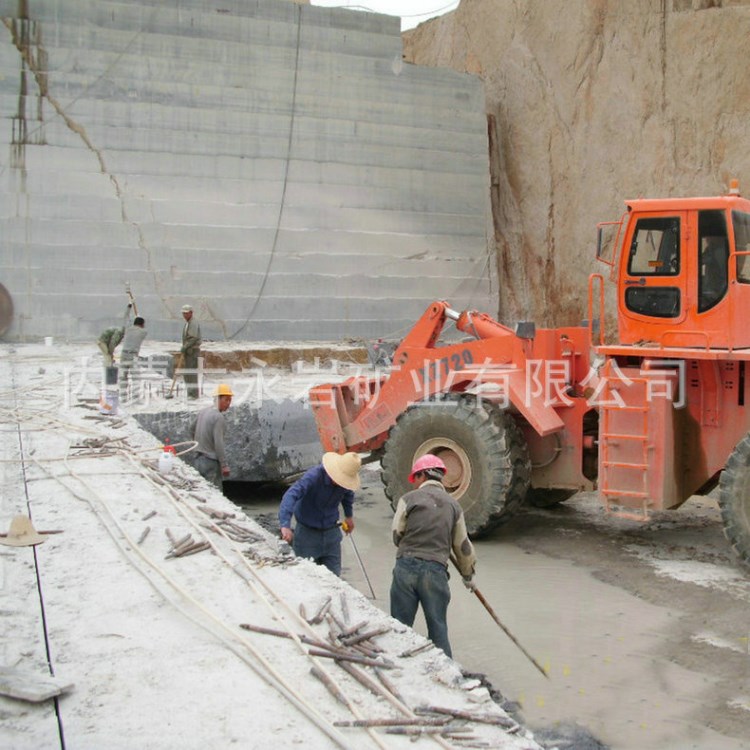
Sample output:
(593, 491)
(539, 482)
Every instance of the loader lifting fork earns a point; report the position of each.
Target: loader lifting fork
(659, 414)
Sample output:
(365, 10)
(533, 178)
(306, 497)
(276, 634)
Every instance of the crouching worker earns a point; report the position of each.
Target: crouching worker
(429, 524)
(211, 459)
(314, 501)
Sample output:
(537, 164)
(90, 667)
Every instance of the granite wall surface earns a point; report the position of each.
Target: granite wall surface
(277, 165)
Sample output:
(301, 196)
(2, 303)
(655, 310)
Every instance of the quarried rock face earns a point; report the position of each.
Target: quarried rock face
(591, 102)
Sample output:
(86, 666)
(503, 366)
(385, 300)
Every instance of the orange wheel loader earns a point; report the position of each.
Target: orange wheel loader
(647, 417)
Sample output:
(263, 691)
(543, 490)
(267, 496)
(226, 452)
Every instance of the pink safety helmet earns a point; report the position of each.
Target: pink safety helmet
(428, 461)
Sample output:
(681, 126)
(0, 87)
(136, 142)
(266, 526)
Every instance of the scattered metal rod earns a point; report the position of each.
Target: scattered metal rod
(145, 533)
(188, 538)
(444, 730)
(369, 652)
(148, 515)
(282, 634)
(361, 678)
(353, 628)
(321, 613)
(319, 674)
(416, 650)
(457, 713)
(361, 565)
(213, 512)
(334, 621)
(40, 531)
(194, 549)
(365, 661)
(353, 639)
(238, 527)
(182, 546)
(386, 682)
(170, 536)
(441, 722)
(344, 608)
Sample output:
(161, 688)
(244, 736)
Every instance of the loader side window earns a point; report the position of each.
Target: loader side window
(655, 249)
(741, 225)
(713, 258)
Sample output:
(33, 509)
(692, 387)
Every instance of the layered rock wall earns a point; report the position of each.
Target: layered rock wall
(594, 102)
(275, 164)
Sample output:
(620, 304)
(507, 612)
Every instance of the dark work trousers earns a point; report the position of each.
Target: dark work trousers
(422, 582)
(190, 373)
(210, 469)
(322, 545)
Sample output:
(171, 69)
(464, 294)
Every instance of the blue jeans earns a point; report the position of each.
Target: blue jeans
(422, 582)
(322, 545)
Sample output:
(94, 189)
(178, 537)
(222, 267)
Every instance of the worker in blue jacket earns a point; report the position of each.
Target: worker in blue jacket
(314, 501)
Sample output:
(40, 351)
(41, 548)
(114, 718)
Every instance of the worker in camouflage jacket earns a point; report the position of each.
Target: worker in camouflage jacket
(428, 528)
(110, 339)
(190, 351)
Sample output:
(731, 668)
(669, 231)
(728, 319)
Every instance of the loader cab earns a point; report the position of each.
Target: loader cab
(683, 273)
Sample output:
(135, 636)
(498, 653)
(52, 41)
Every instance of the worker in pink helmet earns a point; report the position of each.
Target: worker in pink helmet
(428, 526)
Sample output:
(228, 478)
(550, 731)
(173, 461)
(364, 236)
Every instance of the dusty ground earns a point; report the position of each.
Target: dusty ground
(643, 628)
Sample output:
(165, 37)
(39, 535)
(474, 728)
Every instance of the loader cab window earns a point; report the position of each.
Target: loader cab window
(654, 252)
(713, 258)
(741, 226)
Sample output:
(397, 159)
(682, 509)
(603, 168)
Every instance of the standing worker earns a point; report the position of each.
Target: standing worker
(314, 501)
(111, 337)
(429, 524)
(131, 347)
(191, 350)
(211, 459)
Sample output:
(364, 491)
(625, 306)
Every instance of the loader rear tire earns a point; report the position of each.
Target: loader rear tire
(485, 452)
(734, 499)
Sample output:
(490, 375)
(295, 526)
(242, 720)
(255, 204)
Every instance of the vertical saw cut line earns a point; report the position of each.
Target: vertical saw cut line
(42, 609)
(270, 676)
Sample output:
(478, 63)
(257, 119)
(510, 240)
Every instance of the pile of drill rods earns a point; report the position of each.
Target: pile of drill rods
(442, 725)
(264, 559)
(456, 713)
(322, 648)
(184, 546)
(214, 513)
(237, 532)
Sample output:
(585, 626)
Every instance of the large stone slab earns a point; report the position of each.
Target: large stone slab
(268, 443)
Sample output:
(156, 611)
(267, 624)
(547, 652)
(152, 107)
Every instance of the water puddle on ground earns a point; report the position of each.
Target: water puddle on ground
(598, 643)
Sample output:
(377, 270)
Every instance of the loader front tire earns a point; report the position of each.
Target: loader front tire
(485, 453)
(734, 499)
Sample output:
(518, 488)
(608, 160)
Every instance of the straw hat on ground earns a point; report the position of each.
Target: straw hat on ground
(22, 533)
(344, 470)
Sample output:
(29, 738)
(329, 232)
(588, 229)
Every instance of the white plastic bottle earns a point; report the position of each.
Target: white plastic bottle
(166, 459)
